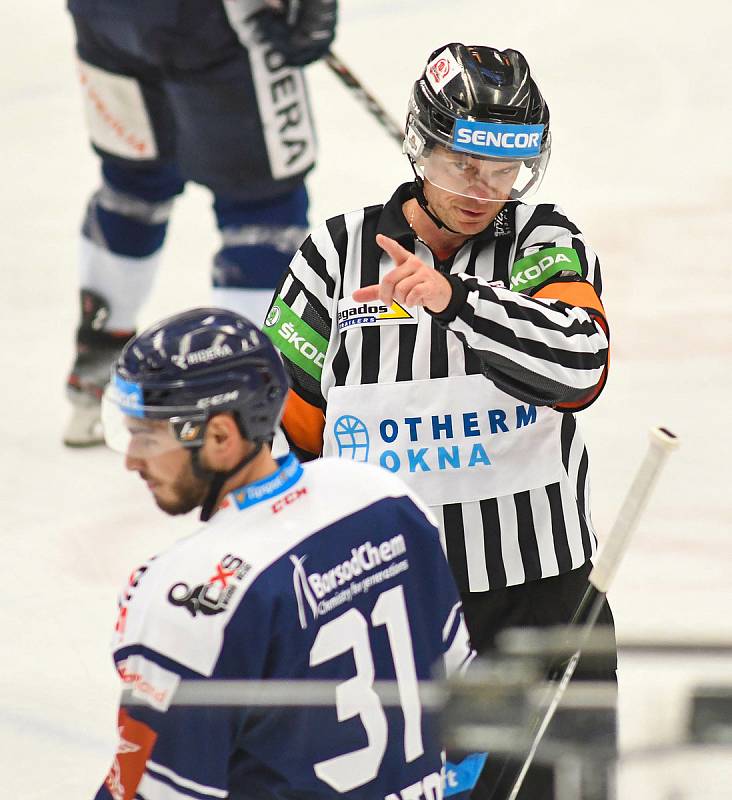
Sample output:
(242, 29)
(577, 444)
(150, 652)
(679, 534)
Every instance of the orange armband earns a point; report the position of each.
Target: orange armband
(304, 423)
(583, 295)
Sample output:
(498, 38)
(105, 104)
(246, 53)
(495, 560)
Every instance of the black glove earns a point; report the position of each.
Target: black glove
(302, 30)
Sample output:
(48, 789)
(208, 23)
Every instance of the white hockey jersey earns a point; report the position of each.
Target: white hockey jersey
(328, 571)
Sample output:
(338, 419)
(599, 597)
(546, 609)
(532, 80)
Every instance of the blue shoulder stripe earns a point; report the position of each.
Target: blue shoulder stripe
(156, 658)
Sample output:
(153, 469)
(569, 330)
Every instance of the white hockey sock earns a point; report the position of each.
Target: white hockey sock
(124, 282)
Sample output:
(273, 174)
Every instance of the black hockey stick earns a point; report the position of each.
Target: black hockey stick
(372, 105)
(661, 444)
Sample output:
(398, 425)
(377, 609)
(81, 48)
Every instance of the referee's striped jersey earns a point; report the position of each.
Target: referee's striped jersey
(472, 406)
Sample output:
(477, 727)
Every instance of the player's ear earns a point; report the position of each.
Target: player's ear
(223, 441)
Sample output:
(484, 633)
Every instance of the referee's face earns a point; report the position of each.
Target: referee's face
(466, 215)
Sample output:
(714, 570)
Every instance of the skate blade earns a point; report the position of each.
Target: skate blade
(84, 428)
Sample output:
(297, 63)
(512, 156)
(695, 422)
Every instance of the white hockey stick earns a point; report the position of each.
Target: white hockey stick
(662, 442)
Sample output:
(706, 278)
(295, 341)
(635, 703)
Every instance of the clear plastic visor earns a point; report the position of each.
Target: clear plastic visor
(481, 177)
(148, 431)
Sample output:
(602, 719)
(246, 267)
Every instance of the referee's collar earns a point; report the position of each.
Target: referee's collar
(393, 223)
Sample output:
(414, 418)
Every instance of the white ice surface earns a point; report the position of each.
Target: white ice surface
(639, 94)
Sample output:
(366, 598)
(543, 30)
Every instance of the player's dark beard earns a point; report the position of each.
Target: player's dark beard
(189, 492)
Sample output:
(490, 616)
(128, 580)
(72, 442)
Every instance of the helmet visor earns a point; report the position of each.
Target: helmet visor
(481, 161)
(141, 431)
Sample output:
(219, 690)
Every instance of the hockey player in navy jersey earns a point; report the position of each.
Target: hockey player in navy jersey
(331, 571)
(174, 91)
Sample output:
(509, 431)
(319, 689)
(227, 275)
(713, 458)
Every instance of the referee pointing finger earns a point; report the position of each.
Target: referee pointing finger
(411, 283)
(450, 336)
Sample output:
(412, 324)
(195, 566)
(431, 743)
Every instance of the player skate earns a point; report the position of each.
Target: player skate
(96, 351)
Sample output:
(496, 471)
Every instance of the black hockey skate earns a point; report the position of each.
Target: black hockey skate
(96, 350)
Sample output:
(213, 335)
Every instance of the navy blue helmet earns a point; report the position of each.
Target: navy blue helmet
(190, 366)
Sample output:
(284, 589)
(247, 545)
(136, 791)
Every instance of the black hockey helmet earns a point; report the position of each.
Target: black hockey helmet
(189, 367)
(476, 104)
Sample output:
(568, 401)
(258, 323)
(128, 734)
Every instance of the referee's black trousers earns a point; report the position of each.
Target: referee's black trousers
(544, 603)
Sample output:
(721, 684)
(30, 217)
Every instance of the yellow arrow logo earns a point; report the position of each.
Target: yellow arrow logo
(396, 312)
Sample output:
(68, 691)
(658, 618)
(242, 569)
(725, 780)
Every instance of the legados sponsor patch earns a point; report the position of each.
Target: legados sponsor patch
(351, 313)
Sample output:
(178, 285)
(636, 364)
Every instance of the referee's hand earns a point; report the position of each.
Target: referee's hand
(410, 283)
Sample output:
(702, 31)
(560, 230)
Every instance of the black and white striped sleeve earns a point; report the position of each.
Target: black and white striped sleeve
(540, 350)
(299, 323)
(541, 336)
(299, 320)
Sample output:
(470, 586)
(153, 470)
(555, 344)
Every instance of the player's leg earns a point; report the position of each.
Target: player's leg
(126, 218)
(258, 242)
(245, 132)
(119, 252)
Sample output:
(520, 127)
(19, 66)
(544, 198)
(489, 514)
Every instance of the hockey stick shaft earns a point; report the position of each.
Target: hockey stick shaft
(593, 600)
(662, 442)
(370, 103)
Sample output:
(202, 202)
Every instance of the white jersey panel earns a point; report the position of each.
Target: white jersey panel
(227, 563)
